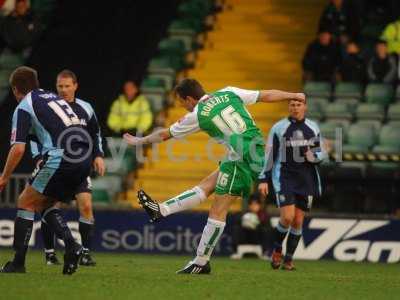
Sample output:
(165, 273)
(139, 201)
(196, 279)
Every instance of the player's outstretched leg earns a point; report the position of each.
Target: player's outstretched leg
(184, 201)
(49, 241)
(22, 233)
(73, 251)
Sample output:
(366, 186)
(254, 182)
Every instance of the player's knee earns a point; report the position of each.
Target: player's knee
(206, 187)
(218, 212)
(86, 211)
(26, 204)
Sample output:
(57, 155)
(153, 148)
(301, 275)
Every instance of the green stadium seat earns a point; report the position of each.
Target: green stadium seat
(380, 93)
(394, 124)
(389, 140)
(330, 130)
(153, 82)
(184, 27)
(371, 123)
(338, 111)
(351, 102)
(168, 78)
(360, 138)
(352, 148)
(187, 39)
(317, 89)
(4, 77)
(157, 100)
(9, 60)
(42, 7)
(161, 65)
(101, 196)
(394, 112)
(370, 111)
(319, 101)
(153, 85)
(194, 9)
(348, 90)
(314, 112)
(121, 166)
(397, 95)
(111, 183)
(171, 47)
(4, 92)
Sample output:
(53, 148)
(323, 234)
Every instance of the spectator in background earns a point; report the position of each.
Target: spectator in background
(352, 67)
(321, 58)
(130, 112)
(21, 28)
(6, 7)
(254, 226)
(382, 66)
(391, 35)
(337, 19)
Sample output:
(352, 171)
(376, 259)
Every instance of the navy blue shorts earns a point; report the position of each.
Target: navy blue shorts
(302, 202)
(298, 189)
(85, 186)
(59, 179)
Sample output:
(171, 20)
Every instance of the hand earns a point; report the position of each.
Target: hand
(38, 163)
(309, 155)
(132, 140)
(3, 183)
(263, 189)
(99, 165)
(300, 97)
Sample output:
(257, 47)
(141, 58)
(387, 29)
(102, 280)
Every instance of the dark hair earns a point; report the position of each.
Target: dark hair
(189, 87)
(24, 79)
(255, 197)
(68, 74)
(379, 41)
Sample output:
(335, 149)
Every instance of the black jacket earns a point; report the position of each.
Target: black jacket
(352, 68)
(321, 61)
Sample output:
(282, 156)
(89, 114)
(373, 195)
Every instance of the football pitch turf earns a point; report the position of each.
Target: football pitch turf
(133, 276)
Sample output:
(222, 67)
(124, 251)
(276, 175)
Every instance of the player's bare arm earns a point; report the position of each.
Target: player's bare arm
(14, 157)
(155, 137)
(277, 95)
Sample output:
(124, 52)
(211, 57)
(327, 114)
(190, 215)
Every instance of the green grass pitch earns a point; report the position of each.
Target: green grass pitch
(132, 276)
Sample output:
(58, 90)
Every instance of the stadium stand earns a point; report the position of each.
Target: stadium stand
(90, 57)
(367, 115)
(275, 55)
(192, 38)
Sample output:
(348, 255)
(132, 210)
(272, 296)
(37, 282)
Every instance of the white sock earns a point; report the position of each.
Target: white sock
(210, 237)
(186, 200)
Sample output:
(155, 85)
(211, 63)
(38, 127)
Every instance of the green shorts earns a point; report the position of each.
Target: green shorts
(236, 178)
